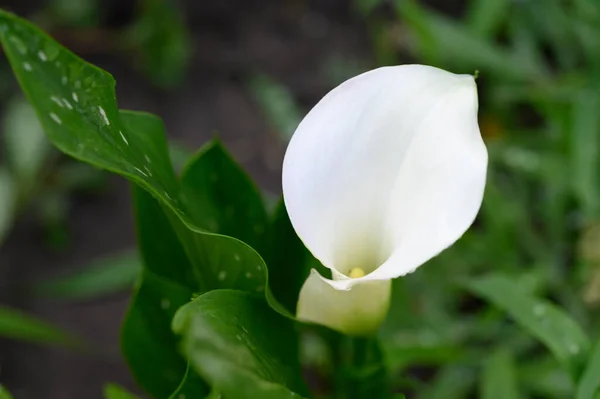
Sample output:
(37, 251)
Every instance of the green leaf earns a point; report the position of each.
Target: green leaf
(222, 198)
(167, 283)
(240, 346)
(148, 344)
(485, 17)
(440, 40)
(179, 155)
(81, 13)
(192, 386)
(452, 381)
(277, 104)
(289, 260)
(163, 40)
(365, 7)
(543, 377)
(7, 202)
(131, 144)
(4, 394)
(499, 377)
(17, 325)
(114, 391)
(589, 383)
(26, 145)
(545, 321)
(585, 141)
(87, 124)
(104, 276)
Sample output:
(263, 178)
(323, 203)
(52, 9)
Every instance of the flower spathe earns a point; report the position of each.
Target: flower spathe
(383, 174)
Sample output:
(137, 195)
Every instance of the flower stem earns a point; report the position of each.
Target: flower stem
(363, 373)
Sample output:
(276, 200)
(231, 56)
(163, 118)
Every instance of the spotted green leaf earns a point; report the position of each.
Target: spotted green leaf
(545, 321)
(75, 102)
(240, 345)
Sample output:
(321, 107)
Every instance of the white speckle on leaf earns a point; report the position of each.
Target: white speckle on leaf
(123, 137)
(42, 56)
(237, 257)
(67, 103)
(27, 66)
(55, 118)
(222, 275)
(103, 115)
(57, 63)
(539, 310)
(141, 171)
(248, 275)
(64, 80)
(21, 48)
(77, 84)
(573, 348)
(147, 158)
(75, 97)
(57, 101)
(165, 303)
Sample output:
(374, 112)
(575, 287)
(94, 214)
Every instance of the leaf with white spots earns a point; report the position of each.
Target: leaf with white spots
(133, 145)
(543, 320)
(89, 128)
(241, 346)
(222, 196)
(188, 252)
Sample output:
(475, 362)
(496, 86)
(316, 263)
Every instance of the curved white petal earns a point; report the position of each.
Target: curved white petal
(386, 171)
(358, 311)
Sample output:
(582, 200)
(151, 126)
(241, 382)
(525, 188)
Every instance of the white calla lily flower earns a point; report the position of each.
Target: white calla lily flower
(383, 174)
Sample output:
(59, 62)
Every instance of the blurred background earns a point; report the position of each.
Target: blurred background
(248, 71)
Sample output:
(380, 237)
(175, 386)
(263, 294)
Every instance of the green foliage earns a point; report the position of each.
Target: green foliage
(589, 383)
(240, 345)
(208, 319)
(7, 201)
(17, 325)
(103, 277)
(277, 103)
(114, 391)
(162, 39)
(4, 394)
(499, 377)
(545, 321)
